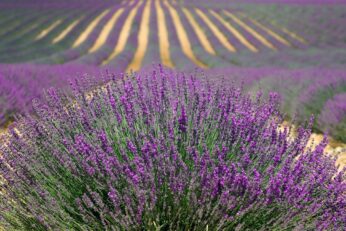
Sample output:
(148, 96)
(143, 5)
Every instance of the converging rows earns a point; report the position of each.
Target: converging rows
(234, 31)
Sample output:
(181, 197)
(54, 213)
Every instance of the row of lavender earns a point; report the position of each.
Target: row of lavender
(20, 84)
(165, 151)
(18, 46)
(304, 92)
(294, 2)
(19, 37)
(39, 4)
(321, 25)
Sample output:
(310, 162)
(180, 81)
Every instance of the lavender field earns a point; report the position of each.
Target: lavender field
(172, 115)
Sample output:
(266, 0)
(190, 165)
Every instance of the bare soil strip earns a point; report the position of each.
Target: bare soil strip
(254, 33)
(163, 36)
(182, 36)
(82, 37)
(143, 40)
(234, 31)
(124, 34)
(334, 148)
(65, 32)
(199, 32)
(106, 30)
(47, 30)
(269, 31)
(290, 33)
(220, 36)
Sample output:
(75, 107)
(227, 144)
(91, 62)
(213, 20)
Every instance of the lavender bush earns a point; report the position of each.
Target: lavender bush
(165, 151)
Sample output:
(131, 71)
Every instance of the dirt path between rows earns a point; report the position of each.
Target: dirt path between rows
(335, 148)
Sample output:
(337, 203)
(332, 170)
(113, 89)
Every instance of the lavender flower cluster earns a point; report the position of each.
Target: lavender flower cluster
(164, 150)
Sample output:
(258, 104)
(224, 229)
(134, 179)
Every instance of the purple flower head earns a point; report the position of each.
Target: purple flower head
(159, 149)
(182, 120)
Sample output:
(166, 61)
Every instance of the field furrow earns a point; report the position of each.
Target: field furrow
(270, 32)
(25, 28)
(143, 39)
(85, 34)
(12, 21)
(45, 32)
(182, 36)
(67, 30)
(200, 52)
(22, 47)
(163, 36)
(199, 32)
(123, 34)
(218, 33)
(63, 52)
(289, 32)
(254, 33)
(106, 30)
(234, 31)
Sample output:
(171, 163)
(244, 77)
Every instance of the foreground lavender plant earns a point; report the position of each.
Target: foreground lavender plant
(165, 151)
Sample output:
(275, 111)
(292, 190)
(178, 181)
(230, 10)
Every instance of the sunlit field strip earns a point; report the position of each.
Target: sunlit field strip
(163, 36)
(254, 33)
(6, 24)
(85, 34)
(44, 49)
(26, 26)
(220, 36)
(106, 30)
(182, 36)
(6, 17)
(290, 33)
(124, 34)
(199, 32)
(283, 29)
(29, 28)
(22, 37)
(143, 40)
(269, 31)
(12, 15)
(68, 29)
(234, 31)
(47, 30)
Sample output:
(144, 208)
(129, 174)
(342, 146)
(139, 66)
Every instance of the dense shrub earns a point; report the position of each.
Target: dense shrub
(165, 151)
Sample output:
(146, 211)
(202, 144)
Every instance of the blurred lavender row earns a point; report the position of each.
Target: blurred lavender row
(304, 92)
(21, 83)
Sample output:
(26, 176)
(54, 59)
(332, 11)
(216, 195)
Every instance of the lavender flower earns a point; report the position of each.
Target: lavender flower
(184, 155)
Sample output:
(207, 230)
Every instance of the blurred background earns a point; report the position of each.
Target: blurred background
(294, 47)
